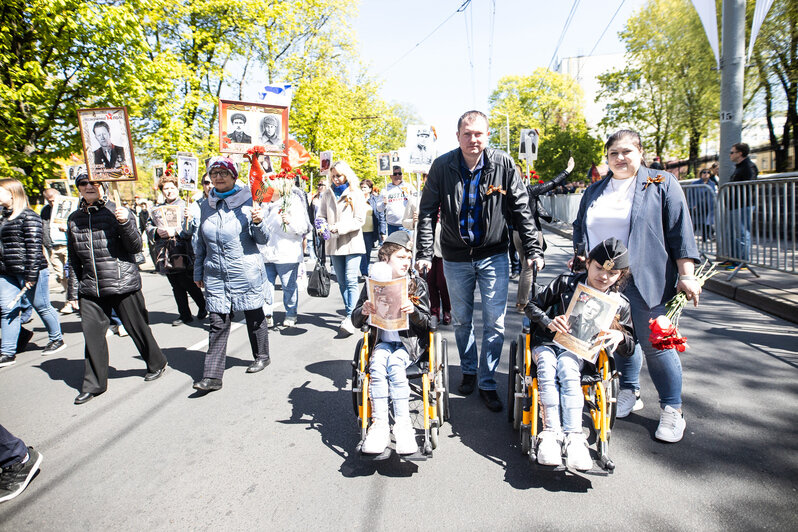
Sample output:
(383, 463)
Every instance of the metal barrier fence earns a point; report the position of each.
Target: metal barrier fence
(562, 207)
(756, 222)
(753, 222)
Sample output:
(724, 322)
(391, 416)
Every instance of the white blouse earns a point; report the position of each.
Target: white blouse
(611, 214)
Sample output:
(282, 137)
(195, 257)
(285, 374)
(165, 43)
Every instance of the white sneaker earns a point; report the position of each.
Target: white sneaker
(405, 436)
(346, 326)
(378, 437)
(269, 322)
(121, 331)
(289, 322)
(628, 401)
(550, 448)
(577, 452)
(671, 425)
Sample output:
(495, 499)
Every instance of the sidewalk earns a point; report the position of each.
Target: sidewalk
(773, 291)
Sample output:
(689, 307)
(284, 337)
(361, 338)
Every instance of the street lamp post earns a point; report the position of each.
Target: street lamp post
(507, 118)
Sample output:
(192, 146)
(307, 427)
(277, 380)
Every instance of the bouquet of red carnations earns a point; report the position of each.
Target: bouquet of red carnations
(665, 329)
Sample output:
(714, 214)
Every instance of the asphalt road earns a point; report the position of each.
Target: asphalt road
(274, 450)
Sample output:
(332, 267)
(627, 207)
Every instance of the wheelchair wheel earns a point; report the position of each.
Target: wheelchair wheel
(518, 383)
(614, 390)
(511, 373)
(355, 390)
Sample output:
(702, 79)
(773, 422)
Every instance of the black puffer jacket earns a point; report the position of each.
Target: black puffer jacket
(101, 250)
(553, 300)
(416, 339)
(21, 240)
(503, 197)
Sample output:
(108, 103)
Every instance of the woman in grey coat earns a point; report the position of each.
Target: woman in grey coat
(229, 267)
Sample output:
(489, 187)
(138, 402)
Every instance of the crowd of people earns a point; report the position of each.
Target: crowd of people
(633, 233)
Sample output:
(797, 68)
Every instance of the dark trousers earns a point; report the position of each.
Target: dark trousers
(257, 330)
(95, 316)
(12, 449)
(182, 286)
(436, 282)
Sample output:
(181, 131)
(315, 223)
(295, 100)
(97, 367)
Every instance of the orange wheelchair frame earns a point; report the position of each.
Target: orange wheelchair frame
(433, 371)
(600, 389)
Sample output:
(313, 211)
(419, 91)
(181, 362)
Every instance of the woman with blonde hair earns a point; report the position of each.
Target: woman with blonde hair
(343, 208)
(23, 272)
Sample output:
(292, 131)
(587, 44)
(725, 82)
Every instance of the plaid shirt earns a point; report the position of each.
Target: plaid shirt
(471, 208)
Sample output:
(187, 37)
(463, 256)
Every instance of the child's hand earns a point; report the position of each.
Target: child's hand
(611, 338)
(559, 324)
(407, 308)
(367, 308)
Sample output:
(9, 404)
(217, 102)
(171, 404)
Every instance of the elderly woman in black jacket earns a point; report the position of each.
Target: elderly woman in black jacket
(102, 240)
(23, 272)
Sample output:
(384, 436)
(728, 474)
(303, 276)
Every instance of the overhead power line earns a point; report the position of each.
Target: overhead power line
(564, 31)
(582, 63)
(460, 9)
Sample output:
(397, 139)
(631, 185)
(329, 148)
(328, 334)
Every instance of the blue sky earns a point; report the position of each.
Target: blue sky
(437, 78)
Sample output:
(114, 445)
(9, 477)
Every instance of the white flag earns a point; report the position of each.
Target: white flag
(760, 12)
(709, 19)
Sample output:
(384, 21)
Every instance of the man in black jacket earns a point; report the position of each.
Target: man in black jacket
(102, 241)
(743, 200)
(478, 191)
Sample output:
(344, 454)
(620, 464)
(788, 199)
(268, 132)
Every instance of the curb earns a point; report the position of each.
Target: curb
(776, 306)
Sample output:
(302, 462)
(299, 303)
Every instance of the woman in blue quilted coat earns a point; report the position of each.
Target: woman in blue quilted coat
(229, 267)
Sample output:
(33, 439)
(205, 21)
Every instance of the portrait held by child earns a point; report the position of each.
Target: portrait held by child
(559, 370)
(391, 352)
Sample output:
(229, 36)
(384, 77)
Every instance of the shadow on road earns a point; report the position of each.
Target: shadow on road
(331, 414)
(71, 371)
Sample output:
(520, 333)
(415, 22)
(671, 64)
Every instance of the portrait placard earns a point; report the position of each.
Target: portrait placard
(72, 172)
(243, 125)
(187, 172)
(528, 145)
(167, 217)
(107, 144)
(158, 171)
(388, 297)
(590, 312)
(63, 207)
(383, 164)
(325, 160)
(63, 186)
(420, 147)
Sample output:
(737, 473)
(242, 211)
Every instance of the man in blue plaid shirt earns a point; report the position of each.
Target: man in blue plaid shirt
(478, 190)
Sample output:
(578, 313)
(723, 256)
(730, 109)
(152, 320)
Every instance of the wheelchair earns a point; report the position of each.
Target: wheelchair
(429, 393)
(600, 385)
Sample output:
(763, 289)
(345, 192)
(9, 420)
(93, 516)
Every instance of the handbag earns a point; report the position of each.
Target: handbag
(319, 281)
(174, 257)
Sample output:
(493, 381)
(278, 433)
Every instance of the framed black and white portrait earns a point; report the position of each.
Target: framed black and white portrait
(590, 312)
(420, 147)
(243, 125)
(384, 164)
(107, 144)
(528, 145)
(187, 172)
(325, 160)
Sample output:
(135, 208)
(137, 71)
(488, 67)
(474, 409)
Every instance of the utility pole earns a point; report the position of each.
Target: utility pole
(732, 75)
(507, 118)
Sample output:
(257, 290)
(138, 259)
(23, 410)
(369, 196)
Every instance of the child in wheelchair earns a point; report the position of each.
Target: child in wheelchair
(559, 370)
(391, 352)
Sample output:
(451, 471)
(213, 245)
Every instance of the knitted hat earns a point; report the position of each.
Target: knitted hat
(225, 163)
(611, 254)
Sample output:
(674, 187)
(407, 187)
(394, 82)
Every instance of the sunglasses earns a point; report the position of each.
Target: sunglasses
(399, 175)
(206, 182)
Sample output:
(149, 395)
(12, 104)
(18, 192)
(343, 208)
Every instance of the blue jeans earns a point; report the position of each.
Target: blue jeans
(664, 367)
(741, 232)
(387, 366)
(346, 269)
(559, 379)
(368, 239)
(492, 275)
(288, 274)
(39, 295)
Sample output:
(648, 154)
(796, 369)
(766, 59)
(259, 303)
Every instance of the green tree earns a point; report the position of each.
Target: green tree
(773, 82)
(55, 57)
(551, 103)
(670, 92)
